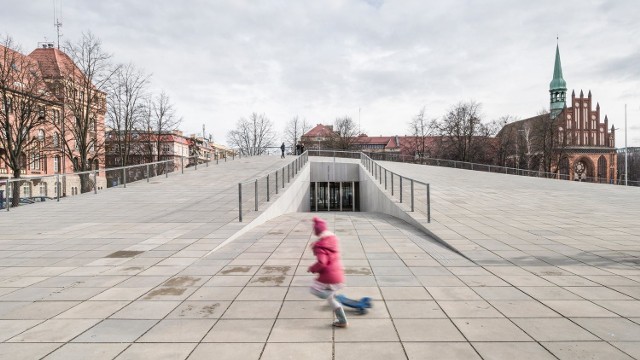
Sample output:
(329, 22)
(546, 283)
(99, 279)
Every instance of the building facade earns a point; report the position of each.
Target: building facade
(572, 141)
(50, 144)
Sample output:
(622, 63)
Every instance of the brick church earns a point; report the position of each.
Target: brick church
(570, 141)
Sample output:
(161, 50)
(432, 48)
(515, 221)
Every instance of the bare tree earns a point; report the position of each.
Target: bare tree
(294, 130)
(505, 140)
(463, 133)
(345, 133)
(83, 81)
(252, 136)
(126, 91)
(24, 96)
(161, 120)
(548, 144)
(420, 129)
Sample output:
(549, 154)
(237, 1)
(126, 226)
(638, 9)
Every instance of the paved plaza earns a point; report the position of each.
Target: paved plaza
(545, 269)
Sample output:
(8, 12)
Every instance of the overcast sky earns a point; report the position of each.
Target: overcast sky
(222, 60)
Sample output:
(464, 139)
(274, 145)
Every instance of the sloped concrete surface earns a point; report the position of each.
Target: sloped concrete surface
(551, 273)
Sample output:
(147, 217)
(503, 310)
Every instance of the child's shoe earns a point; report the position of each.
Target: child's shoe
(341, 321)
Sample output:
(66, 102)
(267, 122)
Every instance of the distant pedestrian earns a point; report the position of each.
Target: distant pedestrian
(298, 149)
(329, 269)
(301, 149)
(282, 147)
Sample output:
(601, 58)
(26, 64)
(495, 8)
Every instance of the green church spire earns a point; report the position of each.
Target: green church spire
(557, 87)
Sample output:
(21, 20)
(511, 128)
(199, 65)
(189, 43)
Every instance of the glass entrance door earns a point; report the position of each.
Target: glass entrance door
(334, 196)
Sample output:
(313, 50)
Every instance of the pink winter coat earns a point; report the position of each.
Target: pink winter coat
(328, 267)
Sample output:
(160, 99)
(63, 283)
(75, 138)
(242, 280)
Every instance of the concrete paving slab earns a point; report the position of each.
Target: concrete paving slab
(550, 277)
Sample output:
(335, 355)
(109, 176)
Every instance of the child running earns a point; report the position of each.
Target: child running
(329, 269)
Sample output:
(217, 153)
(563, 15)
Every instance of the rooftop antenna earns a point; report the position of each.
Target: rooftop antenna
(56, 22)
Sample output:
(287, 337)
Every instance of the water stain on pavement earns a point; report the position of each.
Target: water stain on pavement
(236, 269)
(276, 280)
(182, 281)
(273, 269)
(165, 291)
(357, 271)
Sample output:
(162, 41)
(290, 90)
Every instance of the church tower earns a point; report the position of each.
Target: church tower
(557, 88)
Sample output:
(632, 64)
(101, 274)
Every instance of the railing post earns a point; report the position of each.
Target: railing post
(283, 177)
(288, 174)
(256, 194)
(124, 178)
(240, 202)
(411, 195)
(196, 161)
(58, 186)
(428, 205)
(182, 165)
(276, 182)
(166, 169)
(385, 179)
(11, 198)
(392, 184)
(95, 181)
(148, 173)
(400, 189)
(380, 175)
(267, 187)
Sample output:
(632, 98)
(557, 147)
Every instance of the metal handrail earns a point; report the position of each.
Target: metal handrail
(385, 156)
(376, 169)
(169, 166)
(291, 169)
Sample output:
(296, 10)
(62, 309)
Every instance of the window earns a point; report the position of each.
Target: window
(40, 135)
(166, 148)
(41, 112)
(35, 161)
(43, 189)
(95, 123)
(56, 164)
(26, 190)
(56, 139)
(56, 117)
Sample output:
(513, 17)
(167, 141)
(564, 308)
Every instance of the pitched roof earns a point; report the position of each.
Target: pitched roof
(388, 141)
(53, 62)
(320, 131)
(19, 78)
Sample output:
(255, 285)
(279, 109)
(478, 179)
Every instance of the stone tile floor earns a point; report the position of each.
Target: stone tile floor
(250, 300)
(127, 276)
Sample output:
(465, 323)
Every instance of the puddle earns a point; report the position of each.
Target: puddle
(182, 281)
(236, 269)
(124, 254)
(165, 291)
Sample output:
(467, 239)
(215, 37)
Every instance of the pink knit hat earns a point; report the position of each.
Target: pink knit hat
(319, 225)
